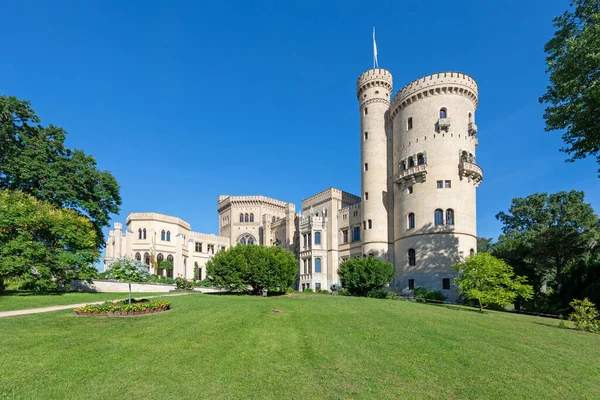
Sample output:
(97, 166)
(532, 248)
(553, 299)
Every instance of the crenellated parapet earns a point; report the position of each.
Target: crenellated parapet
(326, 195)
(157, 217)
(432, 85)
(376, 77)
(225, 201)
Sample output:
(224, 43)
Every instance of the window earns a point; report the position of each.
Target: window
(438, 217)
(440, 184)
(162, 235)
(420, 159)
(139, 233)
(344, 236)
(305, 240)
(310, 238)
(144, 233)
(409, 124)
(168, 236)
(364, 225)
(449, 216)
(170, 258)
(241, 217)
(317, 237)
(366, 111)
(223, 248)
(412, 257)
(448, 184)
(251, 217)
(317, 265)
(411, 284)
(409, 190)
(246, 217)
(146, 258)
(198, 247)
(305, 266)
(366, 195)
(470, 118)
(356, 234)
(138, 257)
(370, 224)
(310, 265)
(443, 113)
(472, 252)
(366, 135)
(411, 221)
(317, 286)
(366, 166)
(402, 166)
(159, 258)
(211, 248)
(274, 219)
(446, 283)
(411, 162)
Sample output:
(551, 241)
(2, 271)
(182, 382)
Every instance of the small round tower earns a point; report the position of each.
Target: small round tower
(373, 90)
(435, 175)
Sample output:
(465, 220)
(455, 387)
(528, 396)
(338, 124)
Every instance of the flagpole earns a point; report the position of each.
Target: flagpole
(375, 63)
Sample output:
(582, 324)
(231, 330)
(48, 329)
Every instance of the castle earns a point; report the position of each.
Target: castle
(416, 209)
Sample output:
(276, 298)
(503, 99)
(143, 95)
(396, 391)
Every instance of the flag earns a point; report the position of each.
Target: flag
(375, 63)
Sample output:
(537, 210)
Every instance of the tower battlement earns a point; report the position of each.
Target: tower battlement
(434, 84)
(376, 77)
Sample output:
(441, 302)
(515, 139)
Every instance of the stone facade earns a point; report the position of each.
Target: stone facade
(417, 207)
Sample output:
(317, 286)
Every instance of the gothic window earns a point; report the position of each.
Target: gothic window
(366, 195)
(246, 217)
(370, 224)
(162, 235)
(420, 159)
(443, 113)
(438, 217)
(251, 217)
(366, 111)
(305, 240)
(317, 265)
(144, 233)
(402, 166)
(168, 236)
(411, 162)
(139, 233)
(411, 221)
(317, 237)
(241, 217)
(159, 258)
(409, 124)
(146, 258)
(138, 257)
(472, 252)
(246, 238)
(449, 216)
(170, 258)
(412, 257)
(464, 156)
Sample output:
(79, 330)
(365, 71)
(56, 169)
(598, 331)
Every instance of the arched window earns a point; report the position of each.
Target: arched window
(241, 217)
(366, 111)
(144, 233)
(317, 265)
(366, 195)
(412, 257)
(250, 241)
(162, 235)
(370, 224)
(251, 217)
(317, 237)
(159, 258)
(246, 238)
(146, 258)
(443, 113)
(449, 216)
(246, 217)
(438, 217)
(366, 135)
(420, 159)
(138, 257)
(170, 258)
(411, 221)
(168, 236)
(274, 219)
(409, 124)
(472, 252)
(464, 156)
(140, 233)
(402, 166)
(470, 118)
(411, 162)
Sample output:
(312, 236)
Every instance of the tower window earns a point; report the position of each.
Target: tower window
(470, 118)
(317, 237)
(370, 224)
(443, 113)
(412, 257)
(449, 216)
(411, 284)
(409, 124)
(472, 252)
(411, 162)
(366, 195)
(241, 217)
(366, 166)
(448, 184)
(140, 233)
(144, 233)
(162, 235)
(251, 217)
(317, 265)
(168, 236)
(366, 111)
(420, 159)
(366, 135)
(446, 283)
(409, 190)
(411, 221)
(438, 217)
(440, 184)
(356, 234)
(402, 166)
(364, 225)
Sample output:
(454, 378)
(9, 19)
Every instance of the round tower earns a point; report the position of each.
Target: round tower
(435, 176)
(373, 90)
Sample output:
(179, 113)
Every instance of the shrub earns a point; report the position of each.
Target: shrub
(120, 307)
(359, 276)
(309, 290)
(429, 294)
(291, 290)
(322, 291)
(585, 316)
(184, 284)
(161, 279)
(204, 283)
(381, 294)
(257, 267)
(343, 292)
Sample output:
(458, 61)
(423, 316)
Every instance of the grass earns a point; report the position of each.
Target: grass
(21, 300)
(297, 347)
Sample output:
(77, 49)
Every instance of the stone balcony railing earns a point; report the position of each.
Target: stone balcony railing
(471, 171)
(472, 129)
(410, 175)
(444, 123)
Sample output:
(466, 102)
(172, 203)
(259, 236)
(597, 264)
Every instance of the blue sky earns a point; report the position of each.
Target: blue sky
(183, 101)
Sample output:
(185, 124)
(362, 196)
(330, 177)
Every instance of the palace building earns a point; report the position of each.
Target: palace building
(416, 209)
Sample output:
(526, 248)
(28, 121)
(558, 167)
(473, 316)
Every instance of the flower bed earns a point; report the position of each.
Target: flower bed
(120, 308)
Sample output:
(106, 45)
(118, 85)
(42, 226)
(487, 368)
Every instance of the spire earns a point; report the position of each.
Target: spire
(375, 63)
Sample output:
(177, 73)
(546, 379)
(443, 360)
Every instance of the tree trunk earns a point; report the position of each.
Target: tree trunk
(480, 306)
(1, 285)
(129, 293)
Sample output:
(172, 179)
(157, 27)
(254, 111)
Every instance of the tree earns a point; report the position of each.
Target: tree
(547, 237)
(34, 160)
(573, 96)
(359, 276)
(489, 280)
(42, 244)
(126, 269)
(252, 266)
(484, 245)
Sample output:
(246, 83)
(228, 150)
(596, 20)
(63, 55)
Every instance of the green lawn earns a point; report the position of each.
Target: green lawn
(21, 300)
(296, 347)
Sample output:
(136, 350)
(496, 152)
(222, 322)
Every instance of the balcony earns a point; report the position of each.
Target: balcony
(410, 175)
(444, 123)
(472, 129)
(471, 171)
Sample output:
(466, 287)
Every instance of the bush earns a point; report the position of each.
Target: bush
(322, 291)
(381, 294)
(359, 276)
(120, 307)
(204, 283)
(257, 267)
(585, 316)
(184, 284)
(161, 279)
(429, 294)
(291, 290)
(343, 292)
(308, 291)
